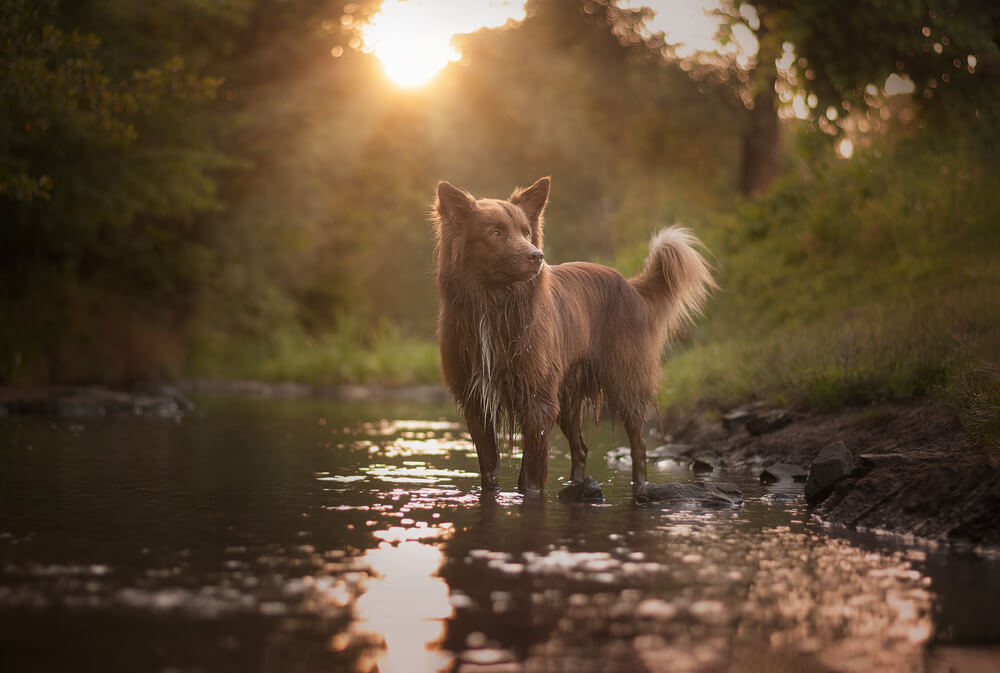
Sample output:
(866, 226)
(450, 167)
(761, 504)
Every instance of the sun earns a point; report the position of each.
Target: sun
(412, 38)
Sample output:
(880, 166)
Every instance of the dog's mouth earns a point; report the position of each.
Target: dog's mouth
(535, 268)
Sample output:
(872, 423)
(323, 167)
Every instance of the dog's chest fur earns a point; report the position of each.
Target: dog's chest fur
(502, 343)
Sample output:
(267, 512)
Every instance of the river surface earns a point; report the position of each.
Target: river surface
(312, 535)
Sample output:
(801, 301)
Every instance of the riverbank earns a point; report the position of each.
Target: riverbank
(911, 470)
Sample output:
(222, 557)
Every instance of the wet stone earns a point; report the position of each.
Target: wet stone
(737, 418)
(768, 421)
(832, 464)
(587, 490)
(715, 494)
(702, 464)
(779, 497)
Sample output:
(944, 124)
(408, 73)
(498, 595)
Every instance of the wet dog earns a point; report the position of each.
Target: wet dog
(525, 344)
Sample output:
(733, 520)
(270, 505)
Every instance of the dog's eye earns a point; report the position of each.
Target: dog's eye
(496, 233)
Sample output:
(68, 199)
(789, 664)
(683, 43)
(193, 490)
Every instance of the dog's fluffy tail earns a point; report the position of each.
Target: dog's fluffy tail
(676, 279)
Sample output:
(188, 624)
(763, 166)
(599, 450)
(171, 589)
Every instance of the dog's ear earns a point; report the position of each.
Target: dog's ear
(453, 204)
(532, 199)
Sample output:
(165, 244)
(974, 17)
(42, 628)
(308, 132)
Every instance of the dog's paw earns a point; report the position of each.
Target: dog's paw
(587, 490)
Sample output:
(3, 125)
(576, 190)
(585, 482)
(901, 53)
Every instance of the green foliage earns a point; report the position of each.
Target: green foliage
(352, 353)
(202, 188)
(852, 282)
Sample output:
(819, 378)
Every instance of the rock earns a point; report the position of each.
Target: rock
(872, 460)
(166, 390)
(778, 497)
(941, 500)
(87, 401)
(736, 419)
(708, 494)
(702, 465)
(621, 457)
(832, 464)
(587, 490)
(783, 472)
(768, 421)
(678, 452)
(739, 416)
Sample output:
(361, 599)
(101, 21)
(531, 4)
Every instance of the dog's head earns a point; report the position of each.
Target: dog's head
(494, 241)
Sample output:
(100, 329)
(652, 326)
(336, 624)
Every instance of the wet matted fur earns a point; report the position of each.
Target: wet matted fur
(525, 344)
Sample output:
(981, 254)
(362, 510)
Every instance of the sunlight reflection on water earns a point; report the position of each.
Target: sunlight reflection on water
(406, 603)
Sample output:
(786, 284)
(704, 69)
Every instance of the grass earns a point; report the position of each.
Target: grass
(976, 395)
(853, 283)
(350, 354)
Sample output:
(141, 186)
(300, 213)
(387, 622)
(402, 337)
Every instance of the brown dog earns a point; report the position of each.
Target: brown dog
(524, 343)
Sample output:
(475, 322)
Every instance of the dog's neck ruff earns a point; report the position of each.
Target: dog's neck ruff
(499, 320)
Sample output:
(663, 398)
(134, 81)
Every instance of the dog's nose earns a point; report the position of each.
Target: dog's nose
(536, 256)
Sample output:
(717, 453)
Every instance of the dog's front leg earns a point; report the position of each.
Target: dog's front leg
(633, 428)
(483, 432)
(535, 459)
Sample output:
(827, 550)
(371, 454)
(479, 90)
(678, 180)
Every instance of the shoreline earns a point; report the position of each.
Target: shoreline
(909, 469)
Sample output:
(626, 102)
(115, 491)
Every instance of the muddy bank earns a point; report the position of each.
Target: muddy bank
(908, 469)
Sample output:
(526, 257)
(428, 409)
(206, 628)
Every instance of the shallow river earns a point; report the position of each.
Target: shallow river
(310, 535)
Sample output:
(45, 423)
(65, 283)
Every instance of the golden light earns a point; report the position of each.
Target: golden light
(412, 38)
(407, 603)
(692, 26)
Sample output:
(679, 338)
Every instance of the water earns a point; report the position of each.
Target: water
(311, 535)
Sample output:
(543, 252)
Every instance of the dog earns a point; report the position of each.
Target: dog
(524, 344)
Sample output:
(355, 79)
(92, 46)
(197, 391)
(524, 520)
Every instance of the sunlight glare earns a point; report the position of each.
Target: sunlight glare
(412, 38)
(406, 605)
(693, 25)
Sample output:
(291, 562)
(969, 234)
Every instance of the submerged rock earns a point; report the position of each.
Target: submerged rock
(832, 464)
(709, 494)
(693, 456)
(587, 490)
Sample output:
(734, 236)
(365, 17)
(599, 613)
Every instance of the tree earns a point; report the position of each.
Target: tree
(842, 54)
(100, 177)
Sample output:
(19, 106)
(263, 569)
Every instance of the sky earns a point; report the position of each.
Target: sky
(412, 37)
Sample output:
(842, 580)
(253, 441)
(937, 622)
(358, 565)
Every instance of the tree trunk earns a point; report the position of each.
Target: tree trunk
(760, 162)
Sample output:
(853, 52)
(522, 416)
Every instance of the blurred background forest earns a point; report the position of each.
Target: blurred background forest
(237, 189)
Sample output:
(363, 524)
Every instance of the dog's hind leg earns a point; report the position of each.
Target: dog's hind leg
(484, 437)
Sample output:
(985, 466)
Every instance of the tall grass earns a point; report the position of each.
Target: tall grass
(352, 353)
(854, 282)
